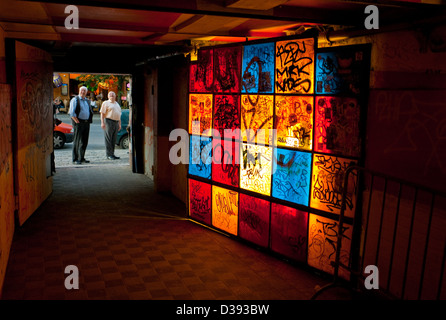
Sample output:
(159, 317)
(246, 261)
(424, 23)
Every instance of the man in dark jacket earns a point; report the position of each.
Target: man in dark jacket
(81, 117)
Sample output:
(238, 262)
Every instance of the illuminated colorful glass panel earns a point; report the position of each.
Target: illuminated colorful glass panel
(225, 209)
(227, 69)
(200, 161)
(200, 201)
(227, 115)
(258, 68)
(225, 164)
(327, 184)
(337, 126)
(255, 168)
(257, 118)
(254, 220)
(322, 244)
(291, 176)
(341, 71)
(289, 232)
(273, 127)
(201, 73)
(200, 114)
(294, 121)
(295, 66)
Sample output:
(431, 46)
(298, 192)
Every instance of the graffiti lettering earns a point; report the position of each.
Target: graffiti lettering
(328, 180)
(227, 69)
(294, 66)
(322, 242)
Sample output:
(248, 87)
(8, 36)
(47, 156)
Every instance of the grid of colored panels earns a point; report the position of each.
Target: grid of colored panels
(273, 127)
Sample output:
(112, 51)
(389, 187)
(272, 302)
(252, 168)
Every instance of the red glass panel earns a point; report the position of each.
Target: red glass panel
(225, 167)
(227, 69)
(289, 231)
(200, 201)
(254, 220)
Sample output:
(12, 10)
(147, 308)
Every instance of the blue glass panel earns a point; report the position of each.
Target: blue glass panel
(200, 156)
(291, 176)
(258, 68)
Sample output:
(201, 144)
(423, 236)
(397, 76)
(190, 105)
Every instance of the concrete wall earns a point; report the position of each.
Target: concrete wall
(34, 134)
(406, 120)
(6, 167)
(26, 141)
(406, 138)
(165, 109)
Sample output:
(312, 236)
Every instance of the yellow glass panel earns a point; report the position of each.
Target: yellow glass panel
(295, 66)
(257, 118)
(255, 168)
(322, 244)
(294, 121)
(225, 209)
(200, 113)
(327, 184)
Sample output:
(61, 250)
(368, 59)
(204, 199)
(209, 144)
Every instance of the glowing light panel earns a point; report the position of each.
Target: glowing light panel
(227, 69)
(201, 73)
(255, 168)
(322, 244)
(254, 220)
(289, 231)
(225, 209)
(200, 113)
(337, 126)
(327, 184)
(225, 164)
(257, 118)
(294, 66)
(294, 121)
(200, 201)
(291, 178)
(200, 156)
(258, 68)
(227, 115)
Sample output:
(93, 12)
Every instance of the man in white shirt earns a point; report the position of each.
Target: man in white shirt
(111, 123)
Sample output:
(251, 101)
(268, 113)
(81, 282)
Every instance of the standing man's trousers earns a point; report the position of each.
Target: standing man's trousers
(111, 134)
(80, 142)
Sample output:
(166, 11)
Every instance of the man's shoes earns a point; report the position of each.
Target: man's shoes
(77, 162)
(113, 158)
(85, 161)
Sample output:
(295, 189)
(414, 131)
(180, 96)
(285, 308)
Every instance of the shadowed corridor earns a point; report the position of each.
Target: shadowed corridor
(129, 242)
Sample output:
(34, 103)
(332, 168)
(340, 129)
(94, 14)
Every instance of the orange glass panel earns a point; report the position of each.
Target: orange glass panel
(326, 185)
(295, 66)
(257, 118)
(200, 113)
(225, 209)
(322, 244)
(255, 168)
(294, 121)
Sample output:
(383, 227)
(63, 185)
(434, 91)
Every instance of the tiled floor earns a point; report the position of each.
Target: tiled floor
(131, 243)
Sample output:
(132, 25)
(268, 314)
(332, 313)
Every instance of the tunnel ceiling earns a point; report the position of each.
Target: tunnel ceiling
(153, 28)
